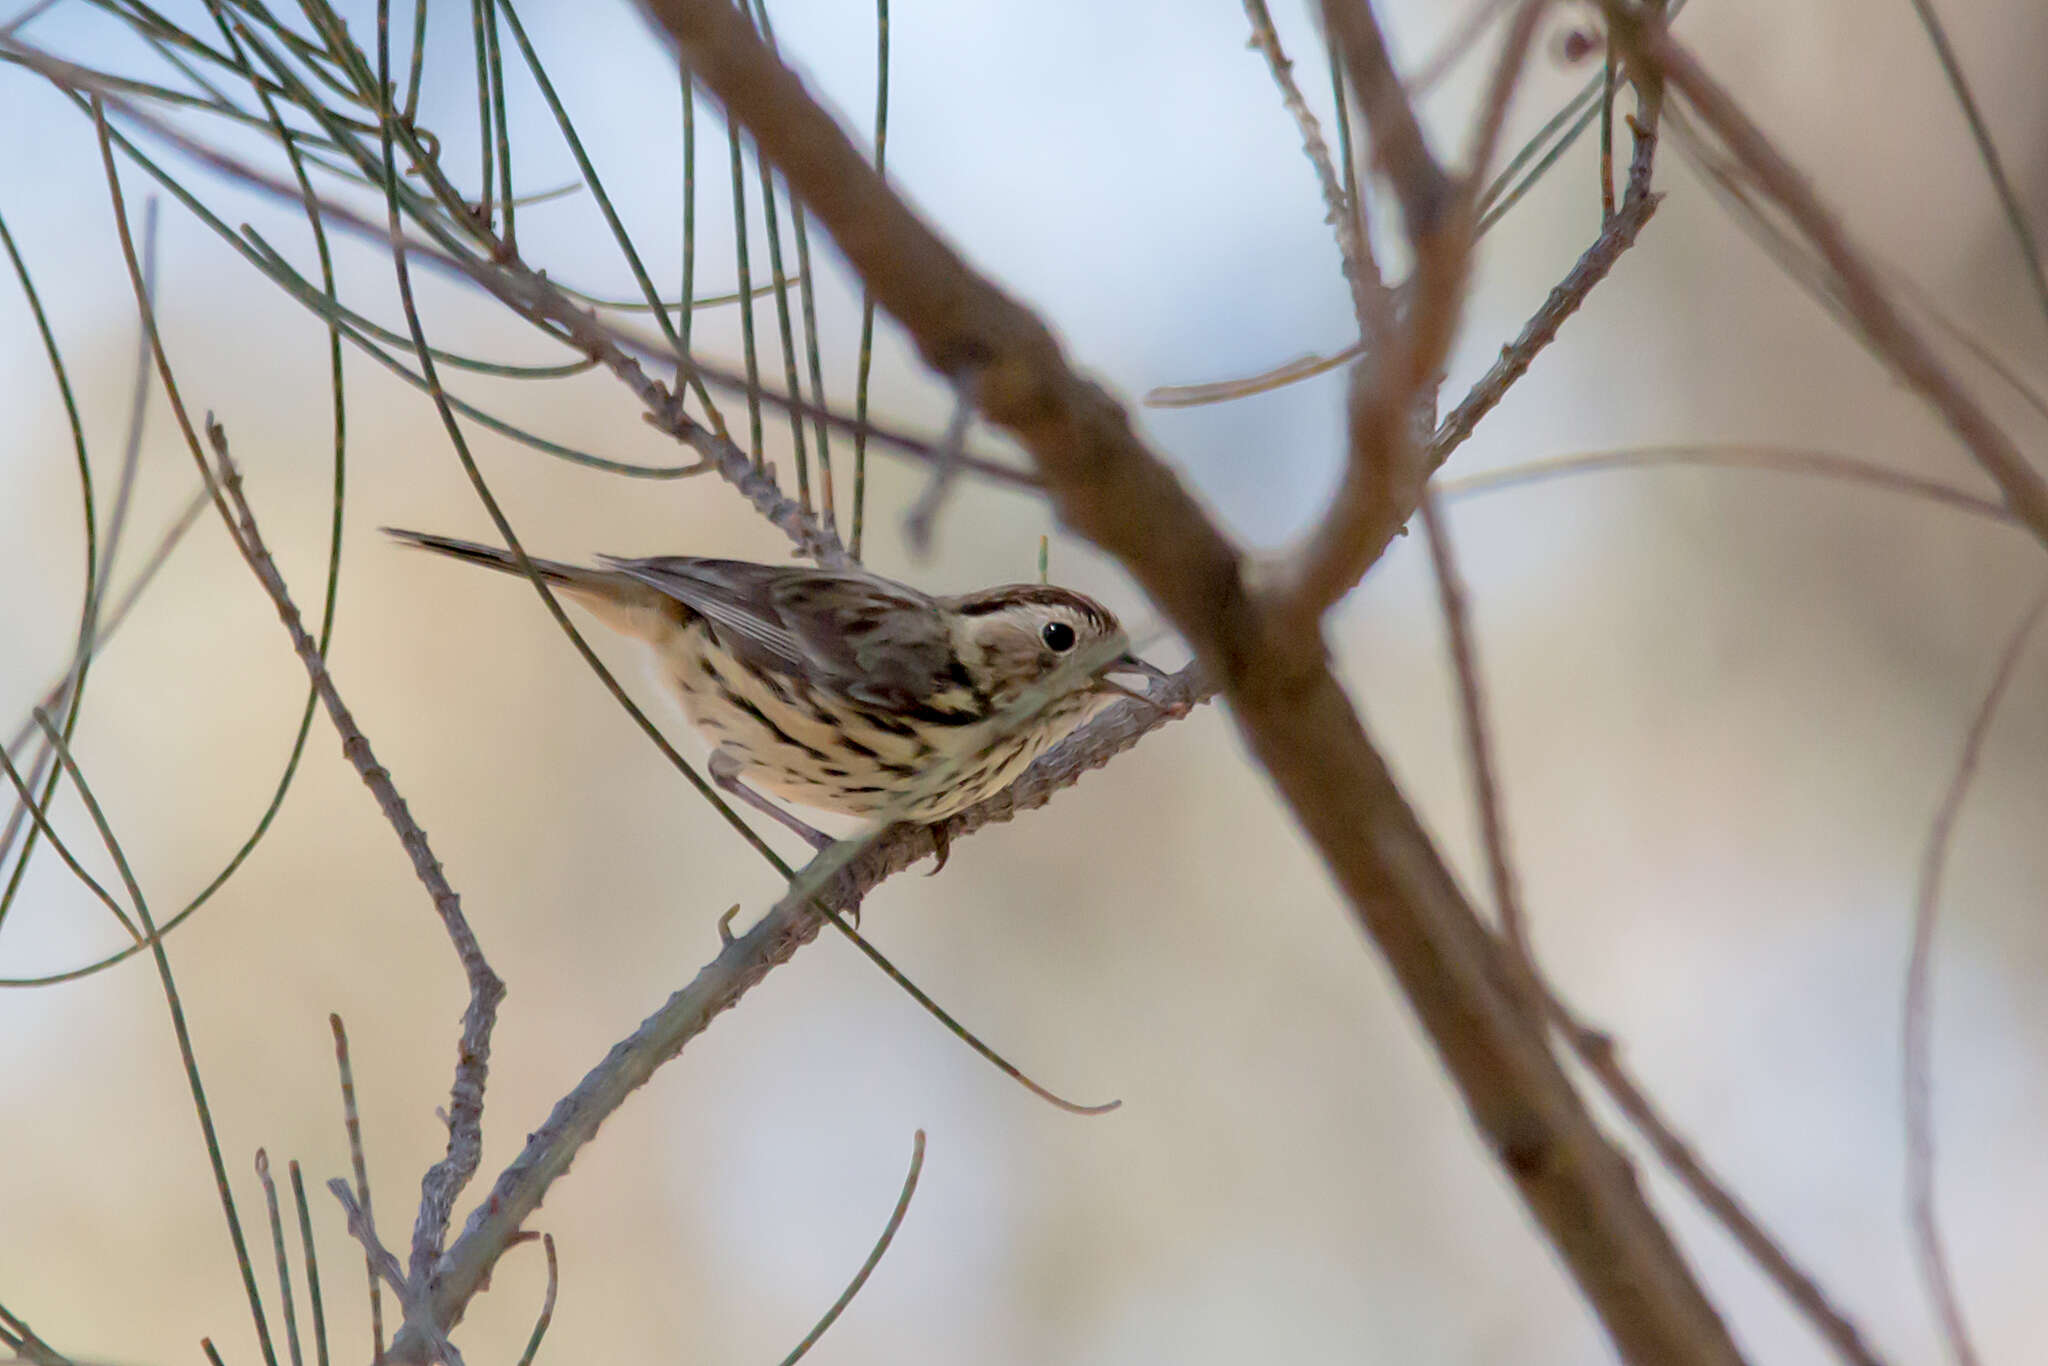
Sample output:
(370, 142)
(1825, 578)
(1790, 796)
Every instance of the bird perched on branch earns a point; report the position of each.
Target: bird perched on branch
(846, 691)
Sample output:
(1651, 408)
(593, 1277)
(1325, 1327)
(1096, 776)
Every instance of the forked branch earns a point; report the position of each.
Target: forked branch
(1293, 715)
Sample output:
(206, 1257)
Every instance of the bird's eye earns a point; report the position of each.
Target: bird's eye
(1058, 637)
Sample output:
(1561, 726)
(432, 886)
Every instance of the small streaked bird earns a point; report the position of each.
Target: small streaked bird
(846, 691)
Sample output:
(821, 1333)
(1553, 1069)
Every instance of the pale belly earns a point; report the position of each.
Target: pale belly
(823, 752)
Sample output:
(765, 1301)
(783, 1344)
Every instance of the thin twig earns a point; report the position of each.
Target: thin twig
(38, 813)
(1596, 1050)
(864, 366)
(1308, 366)
(1987, 152)
(547, 1303)
(527, 292)
(1592, 267)
(874, 1257)
(89, 599)
(1500, 93)
(1443, 558)
(18, 1336)
(1422, 188)
(917, 523)
(1370, 301)
(352, 1129)
(363, 1229)
(1916, 1048)
(1778, 459)
(1479, 756)
(313, 1295)
(1382, 475)
(445, 1180)
(179, 1028)
(1608, 74)
(58, 694)
(287, 1303)
(1462, 39)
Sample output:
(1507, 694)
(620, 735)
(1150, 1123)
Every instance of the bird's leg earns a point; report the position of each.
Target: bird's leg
(725, 771)
(942, 846)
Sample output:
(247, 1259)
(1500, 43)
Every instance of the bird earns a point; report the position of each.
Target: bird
(845, 691)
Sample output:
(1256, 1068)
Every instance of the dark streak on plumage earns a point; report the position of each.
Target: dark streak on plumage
(765, 654)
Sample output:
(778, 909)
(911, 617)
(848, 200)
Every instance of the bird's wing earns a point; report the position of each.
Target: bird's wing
(854, 633)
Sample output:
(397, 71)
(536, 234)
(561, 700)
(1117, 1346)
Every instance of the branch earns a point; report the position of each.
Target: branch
(1592, 267)
(873, 1259)
(1104, 483)
(793, 922)
(445, 1179)
(1596, 1050)
(364, 1230)
(1370, 300)
(1394, 381)
(1916, 1045)
(1382, 477)
(1515, 358)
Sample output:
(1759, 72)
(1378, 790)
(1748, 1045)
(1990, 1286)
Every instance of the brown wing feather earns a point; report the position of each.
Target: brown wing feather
(855, 634)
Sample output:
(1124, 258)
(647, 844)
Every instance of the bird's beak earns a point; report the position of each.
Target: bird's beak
(1128, 663)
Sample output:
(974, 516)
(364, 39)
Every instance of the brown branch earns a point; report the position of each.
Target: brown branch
(1104, 482)
(1424, 190)
(1515, 358)
(793, 922)
(1443, 556)
(1596, 1050)
(1618, 232)
(1916, 1045)
(445, 1180)
(1395, 380)
(1383, 475)
(1658, 56)
(1370, 300)
(1479, 757)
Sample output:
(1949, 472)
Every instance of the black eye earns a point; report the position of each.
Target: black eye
(1058, 637)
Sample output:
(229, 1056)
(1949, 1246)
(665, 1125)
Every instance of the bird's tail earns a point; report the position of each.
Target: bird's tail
(622, 602)
(489, 556)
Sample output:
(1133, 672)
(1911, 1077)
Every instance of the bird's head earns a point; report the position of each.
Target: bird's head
(1019, 636)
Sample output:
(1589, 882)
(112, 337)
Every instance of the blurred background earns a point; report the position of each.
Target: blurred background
(1727, 705)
